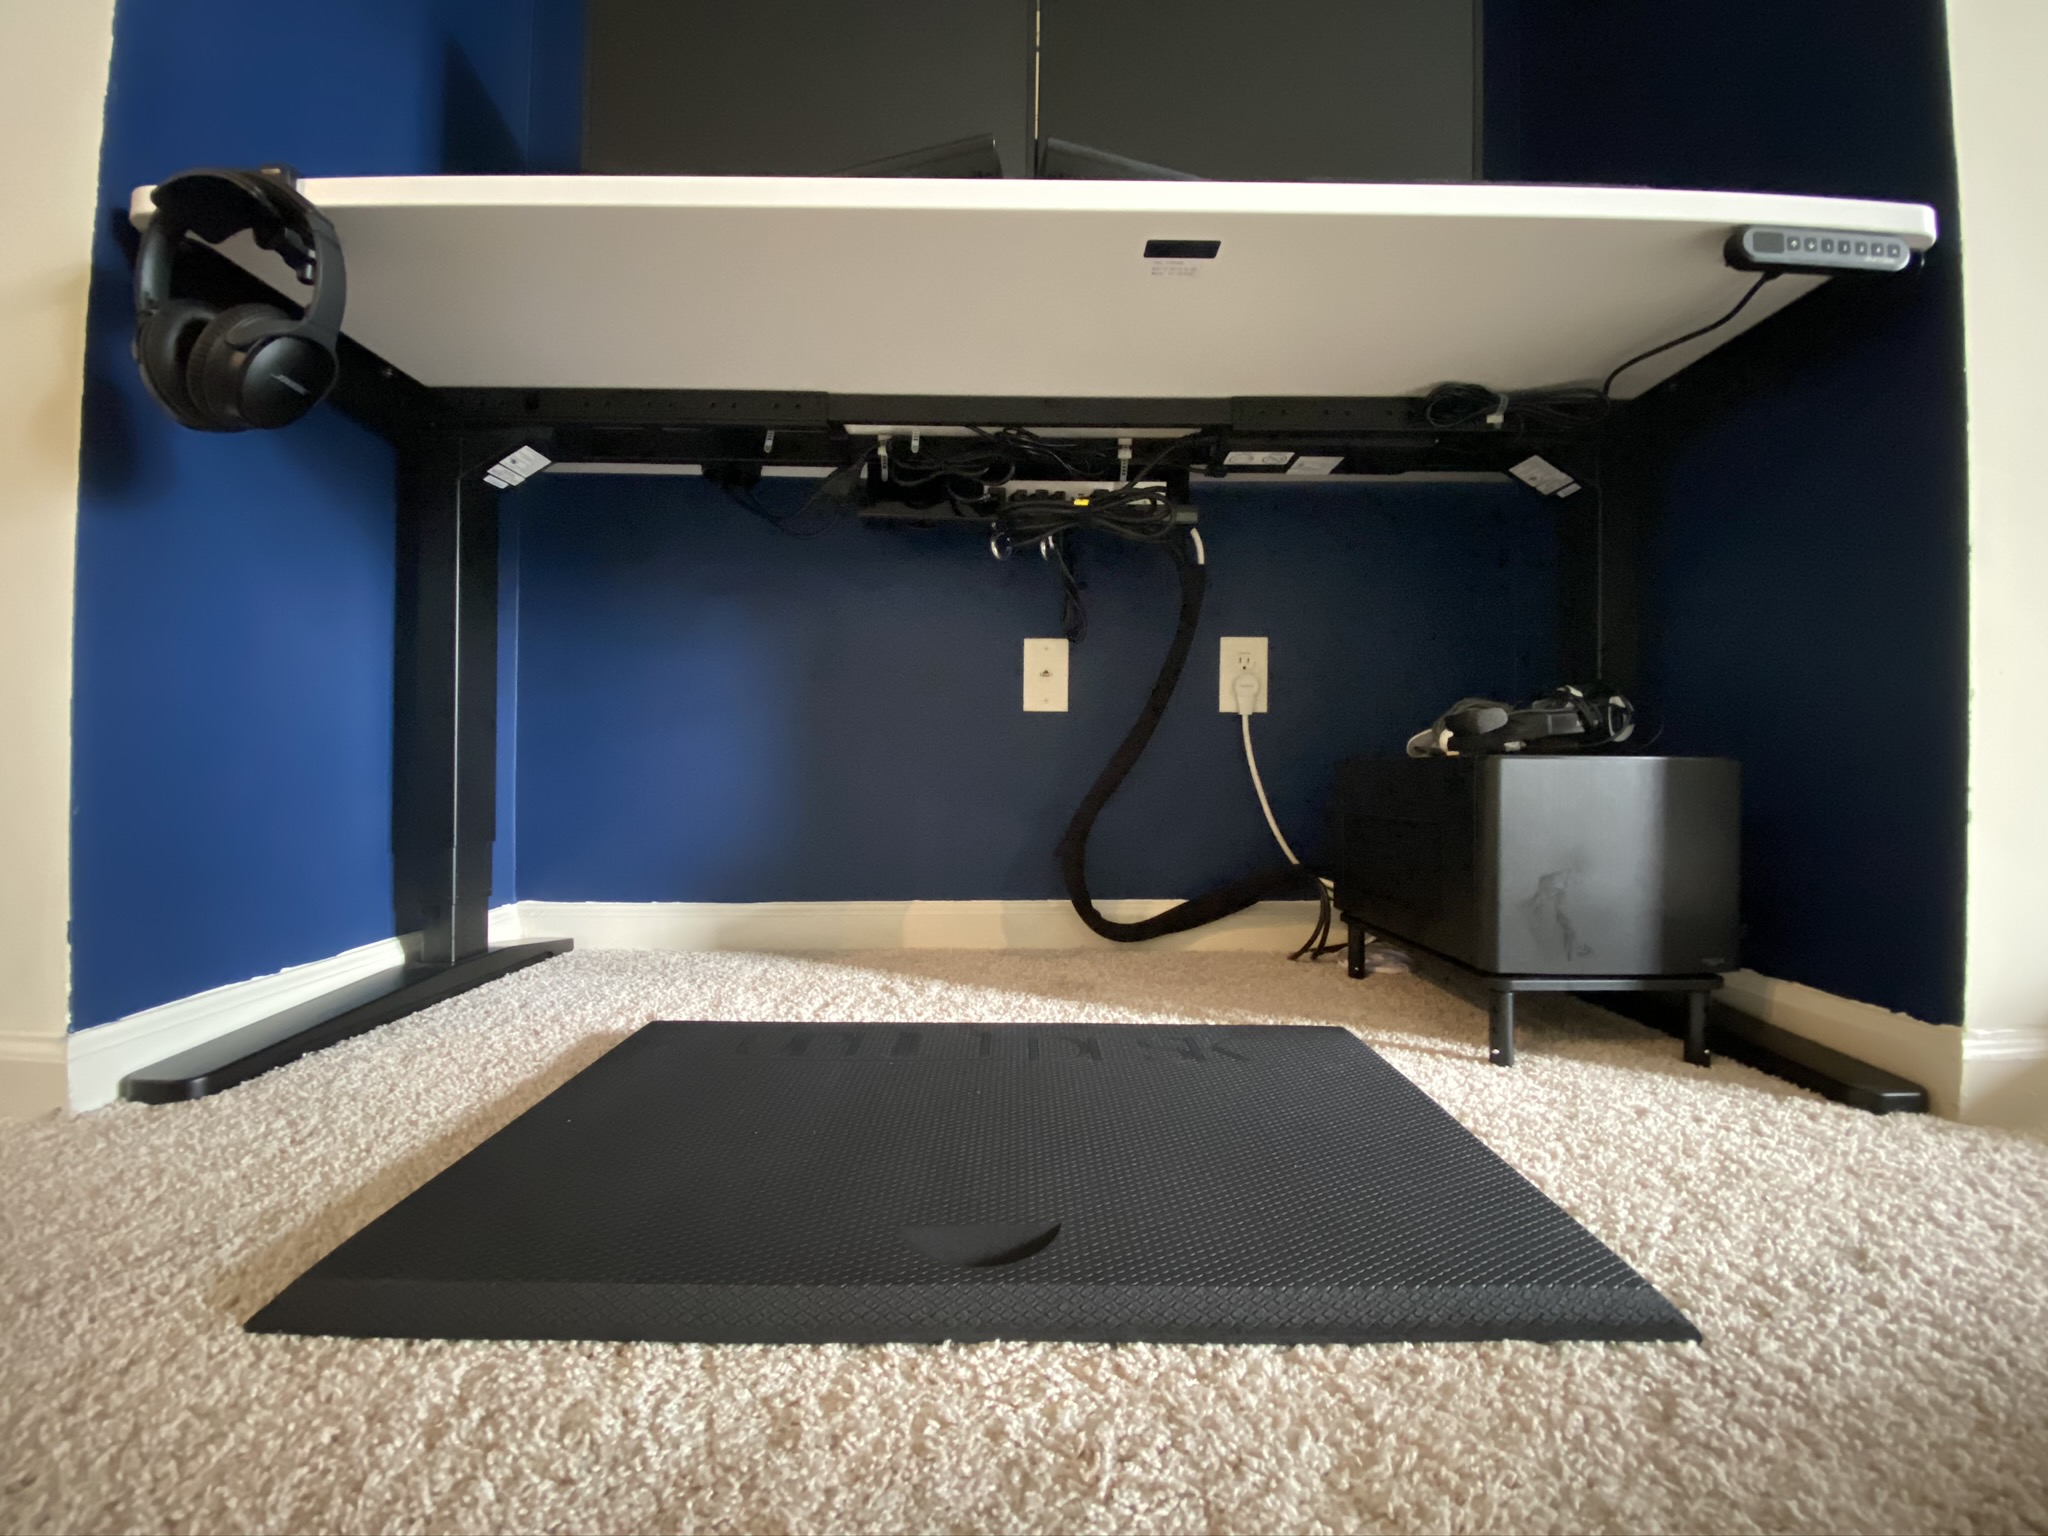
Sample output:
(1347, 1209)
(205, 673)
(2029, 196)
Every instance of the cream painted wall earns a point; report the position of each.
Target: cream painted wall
(1999, 64)
(50, 117)
(1995, 1069)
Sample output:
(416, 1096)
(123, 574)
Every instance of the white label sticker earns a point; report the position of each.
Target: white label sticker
(516, 468)
(1539, 474)
(1177, 268)
(527, 461)
(1256, 458)
(1315, 464)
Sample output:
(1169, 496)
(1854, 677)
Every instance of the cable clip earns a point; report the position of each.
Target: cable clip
(768, 443)
(1498, 416)
(1123, 461)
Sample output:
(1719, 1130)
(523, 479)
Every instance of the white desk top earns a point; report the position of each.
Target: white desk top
(906, 287)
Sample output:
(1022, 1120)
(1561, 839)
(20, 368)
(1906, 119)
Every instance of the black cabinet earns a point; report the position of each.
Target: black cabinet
(800, 87)
(1277, 90)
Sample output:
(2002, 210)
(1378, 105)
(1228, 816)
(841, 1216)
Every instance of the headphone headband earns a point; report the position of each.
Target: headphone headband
(215, 203)
(1570, 718)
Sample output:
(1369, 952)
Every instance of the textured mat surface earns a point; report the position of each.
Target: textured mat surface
(762, 1183)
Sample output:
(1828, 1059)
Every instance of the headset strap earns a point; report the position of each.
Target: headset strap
(216, 202)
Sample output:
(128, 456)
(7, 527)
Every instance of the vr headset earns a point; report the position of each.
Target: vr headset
(1568, 719)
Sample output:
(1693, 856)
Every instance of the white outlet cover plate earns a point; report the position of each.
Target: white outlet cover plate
(1045, 676)
(1239, 653)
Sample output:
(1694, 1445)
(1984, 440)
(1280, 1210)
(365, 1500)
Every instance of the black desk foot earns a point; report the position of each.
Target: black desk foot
(351, 1010)
(1354, 950)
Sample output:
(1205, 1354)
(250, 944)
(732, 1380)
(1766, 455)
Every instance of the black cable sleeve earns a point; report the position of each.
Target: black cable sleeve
(1286, 880)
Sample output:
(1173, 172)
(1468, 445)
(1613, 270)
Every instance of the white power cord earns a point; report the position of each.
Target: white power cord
(1244, 688)
(1246, 691)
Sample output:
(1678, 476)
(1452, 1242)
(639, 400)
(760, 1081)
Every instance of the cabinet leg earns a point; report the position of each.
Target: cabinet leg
(1696, 1050)
(1354, 948)
(1502, 1030)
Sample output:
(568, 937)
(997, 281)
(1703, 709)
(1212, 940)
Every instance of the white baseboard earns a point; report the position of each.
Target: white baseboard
(101, 1056)
(829, 925)
(31, 1074)
(1984, 1077)
(2000, 1079)
(2005, 1082)
(505, 927)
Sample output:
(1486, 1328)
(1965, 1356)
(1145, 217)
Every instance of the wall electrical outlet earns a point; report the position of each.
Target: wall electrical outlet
(1242, 654)
(1045, 676)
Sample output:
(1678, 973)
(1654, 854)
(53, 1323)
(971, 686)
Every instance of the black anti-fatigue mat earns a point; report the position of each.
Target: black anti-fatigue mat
(786, 1183)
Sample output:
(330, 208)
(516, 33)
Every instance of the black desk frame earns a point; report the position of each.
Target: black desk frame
(444, 770)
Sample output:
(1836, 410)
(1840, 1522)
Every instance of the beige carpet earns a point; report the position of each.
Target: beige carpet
(1874, 1295)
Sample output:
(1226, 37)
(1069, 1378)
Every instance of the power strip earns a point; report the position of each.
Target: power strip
(1013, 490)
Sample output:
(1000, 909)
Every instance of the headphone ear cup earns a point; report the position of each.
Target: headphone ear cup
(211, 377)
(163, 349)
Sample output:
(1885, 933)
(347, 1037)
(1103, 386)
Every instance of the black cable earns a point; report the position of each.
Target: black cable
(1073, 616)
(1024, 443)
(1314, 947)
(744, 497)
(1286, 880)
(1564, 407)
(1560, 409)
(1607, 387)
(837, 489)
(1144, 514)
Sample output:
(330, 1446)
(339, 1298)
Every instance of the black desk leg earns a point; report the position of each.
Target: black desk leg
(444, 739)
(1501, 1030)
(1354, 949)
(444, 783)
(1696, 1050)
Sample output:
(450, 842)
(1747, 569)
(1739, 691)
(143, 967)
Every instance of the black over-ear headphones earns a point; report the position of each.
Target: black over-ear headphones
(251, 365)
(1567, 720)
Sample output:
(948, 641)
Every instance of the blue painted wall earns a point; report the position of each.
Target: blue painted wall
(232, 706)
(711, 710)
(1801, 494)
